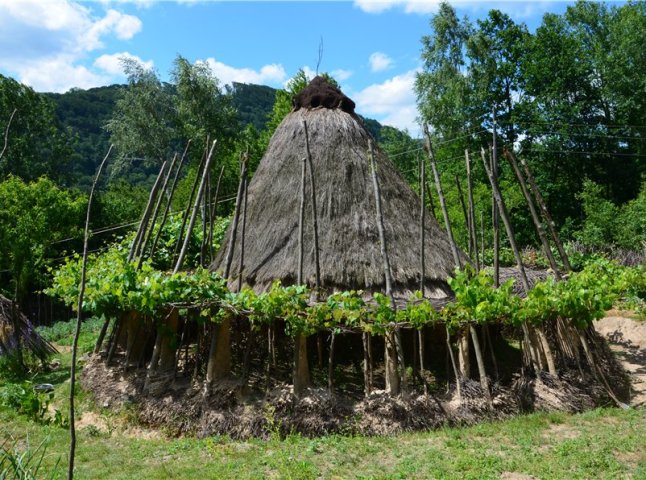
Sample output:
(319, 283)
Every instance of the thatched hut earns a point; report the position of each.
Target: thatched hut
(349, 244)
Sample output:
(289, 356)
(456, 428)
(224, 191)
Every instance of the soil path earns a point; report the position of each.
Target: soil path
(627, 338)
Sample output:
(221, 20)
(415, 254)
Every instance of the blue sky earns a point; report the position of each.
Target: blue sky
(372, 47)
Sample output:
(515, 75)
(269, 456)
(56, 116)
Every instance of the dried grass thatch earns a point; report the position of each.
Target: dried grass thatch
(350, 256)
(26, 338)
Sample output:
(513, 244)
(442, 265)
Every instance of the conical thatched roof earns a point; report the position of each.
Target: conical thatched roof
(349, 246)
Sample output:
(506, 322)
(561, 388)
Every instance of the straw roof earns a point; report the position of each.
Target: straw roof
(349, 246)
(27, 338)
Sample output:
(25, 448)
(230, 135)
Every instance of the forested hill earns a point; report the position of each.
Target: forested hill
(84, 114)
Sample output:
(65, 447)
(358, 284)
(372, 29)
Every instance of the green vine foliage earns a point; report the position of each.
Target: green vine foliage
(115, 286)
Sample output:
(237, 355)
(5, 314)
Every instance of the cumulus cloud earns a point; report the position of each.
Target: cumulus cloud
(392, 102)
(380, 62)
(273, 74)
(409, 6)
(111, 63)
(43, 43)
(518, 9)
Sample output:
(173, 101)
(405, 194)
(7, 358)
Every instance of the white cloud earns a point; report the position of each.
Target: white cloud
(111, 63)
(59, 74)
(272, 74)
(409, 6)
(44, 42)
(341, 74)
(380, 61)
(392, 102)
(517, 9)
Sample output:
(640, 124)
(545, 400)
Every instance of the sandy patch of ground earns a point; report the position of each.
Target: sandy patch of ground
(627, 338)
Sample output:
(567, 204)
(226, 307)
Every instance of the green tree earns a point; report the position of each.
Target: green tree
(36, 143)
(144, 122)
(33, 217)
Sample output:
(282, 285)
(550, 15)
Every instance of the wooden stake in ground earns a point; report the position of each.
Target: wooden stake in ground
(315, 222)
(301, 374)
(393, 379)
(79, 316)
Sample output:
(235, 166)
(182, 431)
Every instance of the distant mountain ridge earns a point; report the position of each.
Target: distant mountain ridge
(84, 114)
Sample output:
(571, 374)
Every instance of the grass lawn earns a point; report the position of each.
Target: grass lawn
(603, 443)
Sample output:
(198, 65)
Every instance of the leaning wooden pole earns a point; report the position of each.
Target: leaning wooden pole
(301, 218)
(519, 262)
(143, 224)
(236, 217)
(472, 215)
(198, 197)
(214, 210)
(171, 192)
(546, 215)
(440, 194)
(153, 220)
(79, 317)
(395, 337)
(422, 259)
(189, 204)
(243, 232)
(463, 205)
(315, 223)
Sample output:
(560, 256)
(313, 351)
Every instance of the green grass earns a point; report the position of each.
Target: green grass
(603, 443)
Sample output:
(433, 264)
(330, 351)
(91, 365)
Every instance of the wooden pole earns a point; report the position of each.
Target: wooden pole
(394, 354)
(465, 213)
(243, 232)
(472, 215)
(301, 217)
(214, 210)
(521, 269)
(546, 215)
(170, 199)
(315, 222)
(236, 216)
(458, 377)
(153, 220)
(143, 225)
(440, 194)
(532, 210)
(330, 365)
(189, 204)
(494, 211)
(198, 197)
(484, 381)
(422, 222)
(79, 318)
